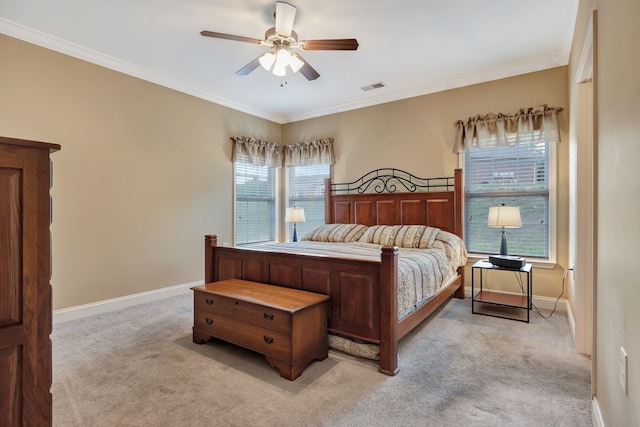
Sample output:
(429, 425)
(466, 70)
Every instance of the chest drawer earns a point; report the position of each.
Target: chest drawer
(243, 311)
(253, 337)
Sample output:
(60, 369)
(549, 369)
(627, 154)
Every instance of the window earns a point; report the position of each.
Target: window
(306, 190)
(255, 203)
(518, 175)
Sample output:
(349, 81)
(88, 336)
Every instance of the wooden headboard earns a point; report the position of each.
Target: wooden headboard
(395, 197)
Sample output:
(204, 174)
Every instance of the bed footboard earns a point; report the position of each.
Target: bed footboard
(363, 293)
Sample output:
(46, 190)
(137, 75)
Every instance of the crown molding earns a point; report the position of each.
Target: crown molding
(491, 74)
(57, 44)
(584, 71)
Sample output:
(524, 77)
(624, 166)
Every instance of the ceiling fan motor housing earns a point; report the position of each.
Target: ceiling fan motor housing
(271, 38)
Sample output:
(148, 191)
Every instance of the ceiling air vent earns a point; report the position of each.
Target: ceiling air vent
(373, 86)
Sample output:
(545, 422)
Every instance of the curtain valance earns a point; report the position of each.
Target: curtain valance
(310, 153)
(263, 153)
(256, 152)
(495, 130)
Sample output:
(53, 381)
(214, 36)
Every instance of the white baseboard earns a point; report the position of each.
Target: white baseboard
(80, 311)
(596, 415)
(546, 303)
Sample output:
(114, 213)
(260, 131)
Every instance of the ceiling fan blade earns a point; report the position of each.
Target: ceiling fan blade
(230, 37)
(249, 67)
(333, 44)
(285, 15)
(307, 70)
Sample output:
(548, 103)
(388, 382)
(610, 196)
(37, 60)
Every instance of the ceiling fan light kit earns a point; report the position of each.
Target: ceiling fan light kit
(280, 60)
(281, 39)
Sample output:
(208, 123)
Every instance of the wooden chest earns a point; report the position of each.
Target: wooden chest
(288, 326)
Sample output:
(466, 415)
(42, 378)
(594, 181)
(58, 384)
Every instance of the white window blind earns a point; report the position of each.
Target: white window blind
(306, 190)
(255, 203)
(516, 175)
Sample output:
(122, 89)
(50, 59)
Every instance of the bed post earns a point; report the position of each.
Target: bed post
(458, 200)
(389, 310)
(459, 223)
(210, 240)
(328, 205)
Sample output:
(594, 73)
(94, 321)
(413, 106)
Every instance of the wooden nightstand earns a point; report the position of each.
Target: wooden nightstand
(482, 296)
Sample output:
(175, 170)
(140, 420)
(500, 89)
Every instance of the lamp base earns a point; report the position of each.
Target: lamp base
(503, 243)
(295, 233)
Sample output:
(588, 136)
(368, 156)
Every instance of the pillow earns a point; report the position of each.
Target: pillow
(404, 236)
(340, 233)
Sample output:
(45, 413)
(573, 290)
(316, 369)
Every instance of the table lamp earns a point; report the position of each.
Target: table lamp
(294, 215)
(504, 217)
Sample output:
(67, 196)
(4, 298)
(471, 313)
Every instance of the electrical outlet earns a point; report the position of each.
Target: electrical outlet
(623, 369)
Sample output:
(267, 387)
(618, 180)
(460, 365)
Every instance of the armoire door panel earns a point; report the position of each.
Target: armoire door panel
(11, 402)
(11, 230)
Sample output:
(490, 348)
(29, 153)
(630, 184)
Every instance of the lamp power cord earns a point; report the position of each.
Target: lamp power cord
(555, 305)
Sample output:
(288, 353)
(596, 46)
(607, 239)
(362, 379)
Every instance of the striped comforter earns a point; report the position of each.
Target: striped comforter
(421, 272)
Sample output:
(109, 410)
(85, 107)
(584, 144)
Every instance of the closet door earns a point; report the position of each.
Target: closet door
(25, 290)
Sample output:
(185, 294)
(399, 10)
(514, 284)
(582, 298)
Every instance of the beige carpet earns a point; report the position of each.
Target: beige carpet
(139, 367)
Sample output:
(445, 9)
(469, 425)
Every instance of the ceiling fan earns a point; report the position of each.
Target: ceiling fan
(281, 39)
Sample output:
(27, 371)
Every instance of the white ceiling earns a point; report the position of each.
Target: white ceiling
(414, 46)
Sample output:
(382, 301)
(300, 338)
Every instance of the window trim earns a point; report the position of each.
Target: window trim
(551, 261)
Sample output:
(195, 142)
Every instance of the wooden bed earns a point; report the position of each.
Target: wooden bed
(363, 293)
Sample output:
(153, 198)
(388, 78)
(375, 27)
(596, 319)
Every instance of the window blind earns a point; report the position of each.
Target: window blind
(306, 190)
(255, 203)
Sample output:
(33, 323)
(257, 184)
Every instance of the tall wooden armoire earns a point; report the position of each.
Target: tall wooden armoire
(25, 289)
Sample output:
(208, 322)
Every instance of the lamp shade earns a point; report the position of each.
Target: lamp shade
(504, 216)
(295, 63)
(267, 60)
(294, 215)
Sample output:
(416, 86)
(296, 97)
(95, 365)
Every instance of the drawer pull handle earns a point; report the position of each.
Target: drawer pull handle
(209, 321)
(269, 317)
(209, 301)
(267, 339)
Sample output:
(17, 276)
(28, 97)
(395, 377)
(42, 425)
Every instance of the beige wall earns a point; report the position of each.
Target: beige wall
(417, 135)
(144, 171)
(618, 205)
